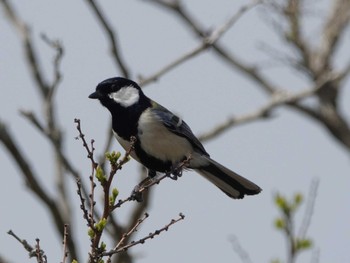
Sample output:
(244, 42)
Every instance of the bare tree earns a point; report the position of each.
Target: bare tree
(314, 60)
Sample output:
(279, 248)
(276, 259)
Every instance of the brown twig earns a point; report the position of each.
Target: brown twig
(86, 146)
(24, 243)
(128, 234)
(96, 228)
(86, 215)
(248, 70)
(293, 14)
(144, 239)
(277, 99)
(60, 206)
(65, 245)
(34, 251)
(149, 183)
(40, 255)
(58, 47)
(207, 42)
(114, 47)
(335, 25)
(106, 184)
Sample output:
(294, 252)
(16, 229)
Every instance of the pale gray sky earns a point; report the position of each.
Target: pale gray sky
(282, 154)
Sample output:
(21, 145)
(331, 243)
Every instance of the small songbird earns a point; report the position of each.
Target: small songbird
(163, 140)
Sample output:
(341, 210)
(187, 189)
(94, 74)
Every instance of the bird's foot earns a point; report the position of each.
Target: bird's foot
(152, 173)
(136, 193)
(176, 171)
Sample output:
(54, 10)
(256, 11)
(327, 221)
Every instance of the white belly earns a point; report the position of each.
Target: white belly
(126, 145)
(157, 141)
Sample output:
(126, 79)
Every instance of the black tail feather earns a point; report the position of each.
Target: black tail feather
(228, 181)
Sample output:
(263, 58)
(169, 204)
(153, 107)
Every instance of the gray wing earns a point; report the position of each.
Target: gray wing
(177, 126)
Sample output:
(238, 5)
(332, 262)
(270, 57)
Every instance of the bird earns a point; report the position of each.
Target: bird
(162, 139)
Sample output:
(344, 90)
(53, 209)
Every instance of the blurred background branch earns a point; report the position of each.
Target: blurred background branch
(314, 60)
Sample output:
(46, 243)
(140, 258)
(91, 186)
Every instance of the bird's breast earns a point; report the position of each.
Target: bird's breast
(126, 145)
(160, 143)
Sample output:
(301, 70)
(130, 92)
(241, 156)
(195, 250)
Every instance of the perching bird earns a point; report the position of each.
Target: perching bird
(163, 140)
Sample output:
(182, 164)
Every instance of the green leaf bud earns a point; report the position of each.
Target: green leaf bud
(280, 223)
(100, 175)
(91, 233)
(101, 224)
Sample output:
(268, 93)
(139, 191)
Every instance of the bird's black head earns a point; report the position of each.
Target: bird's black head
(117, 91)
(125, 101)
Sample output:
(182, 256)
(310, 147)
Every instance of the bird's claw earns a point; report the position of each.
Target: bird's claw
(175, 172)
(136, 194)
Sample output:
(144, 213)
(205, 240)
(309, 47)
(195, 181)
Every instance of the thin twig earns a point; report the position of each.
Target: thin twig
(244, 256)
(114, 46)
(58, 47)
(40, 254)
(206, 43)
(144, 239)
(151, 182)
(249, 70)
(277, 99)
(31, 56)
(333, 31)
(309, 209)
(24, 242)
(34, 251)
(65, 245)
(86, 216)
(86, 146)
(28, 173)
(128, 234)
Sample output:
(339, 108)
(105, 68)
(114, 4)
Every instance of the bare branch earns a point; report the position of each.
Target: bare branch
(34, 251)
(57, 46)
(24, 242)
(31, 56)
(111, 36)
(294, 35)
(60, 208)
(32, 118)
(143, 240)
(3, 260)
(250, 71)
(32, 182)
(31, 178)
(333, 30)
(277, 99)
(65, 245)
(90, 221)
(86, 146)
(244, 256)
(128, 234)
(206, 43)
(309, 209)
(40, 254)
(315, 256)
(149, 182)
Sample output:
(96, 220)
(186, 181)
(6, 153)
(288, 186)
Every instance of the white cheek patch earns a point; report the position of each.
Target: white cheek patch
(126, 96)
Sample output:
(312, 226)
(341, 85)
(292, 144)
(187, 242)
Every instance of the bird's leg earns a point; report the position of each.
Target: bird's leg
(152, 173)
(177, 168)
(136, 194)
(176, 171)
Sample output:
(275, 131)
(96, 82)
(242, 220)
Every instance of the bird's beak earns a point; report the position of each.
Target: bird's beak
(95, 95)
